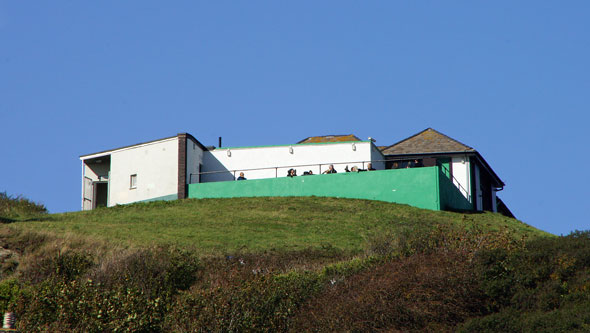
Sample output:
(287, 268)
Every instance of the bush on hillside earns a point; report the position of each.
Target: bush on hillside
(153, 271)
(466, 241)
(83, 306)
(260, 303)
(130, 292)
(57, 264)
(18, 206)
(9, 292)
(544, 287)
(432, 292)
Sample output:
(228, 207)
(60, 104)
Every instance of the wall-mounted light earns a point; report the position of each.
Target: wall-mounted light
(353, 147)
(228, 153)
(290, 149)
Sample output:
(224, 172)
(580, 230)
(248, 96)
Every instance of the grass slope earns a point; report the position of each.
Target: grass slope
(217, 226)
(290, 265)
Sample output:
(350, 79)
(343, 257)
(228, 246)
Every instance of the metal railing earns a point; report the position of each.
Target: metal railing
(454, 180)
(276, 168)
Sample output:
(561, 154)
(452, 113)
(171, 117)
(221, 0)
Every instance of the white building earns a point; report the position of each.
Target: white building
(161, 169)
(155, 170)
(224, 164)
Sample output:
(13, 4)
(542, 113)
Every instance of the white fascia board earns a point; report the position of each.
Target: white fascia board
(88, 157)
(117, 150)
(291, 145)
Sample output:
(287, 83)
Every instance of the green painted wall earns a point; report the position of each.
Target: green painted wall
(166, 198)
(450, 196)
(446, 163)
(416, 186)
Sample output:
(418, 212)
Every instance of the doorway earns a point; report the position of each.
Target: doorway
(101, 194)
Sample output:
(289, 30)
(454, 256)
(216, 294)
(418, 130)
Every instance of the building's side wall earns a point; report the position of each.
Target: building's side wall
(377, 158)
(194, 157)
(461, 167)
(417, 187)
(156, 167)
(277, 160)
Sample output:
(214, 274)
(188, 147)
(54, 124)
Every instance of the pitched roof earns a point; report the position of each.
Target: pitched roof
(330, 138)
(427, 141)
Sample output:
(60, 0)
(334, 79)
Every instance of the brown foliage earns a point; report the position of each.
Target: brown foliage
(424, 292)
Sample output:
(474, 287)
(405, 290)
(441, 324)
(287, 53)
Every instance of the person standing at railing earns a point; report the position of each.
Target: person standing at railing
(330, 169)
(292, 173)
(241, 176)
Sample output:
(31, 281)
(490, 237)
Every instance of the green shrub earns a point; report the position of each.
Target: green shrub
(18, 206)
(67, 265)
(543, 287)
(571, 318)
(153, 271)
(262, 303)
(9, 293)
(59, 305)
(130, 292)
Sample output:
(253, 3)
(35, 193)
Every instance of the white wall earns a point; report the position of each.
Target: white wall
(194, 157)
(304, 157)
(156, 166)
(494, 202)
(462, 174)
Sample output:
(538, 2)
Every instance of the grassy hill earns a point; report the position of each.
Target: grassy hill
(218, 226)
(290, 264)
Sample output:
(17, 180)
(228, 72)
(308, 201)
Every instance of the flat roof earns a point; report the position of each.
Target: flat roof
(294, 144)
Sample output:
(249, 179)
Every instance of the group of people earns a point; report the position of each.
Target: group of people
(356, 169)
(293, 173)
(408, 164)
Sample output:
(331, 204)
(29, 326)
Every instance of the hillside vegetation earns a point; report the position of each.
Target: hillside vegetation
(18, 207)
(290, 264)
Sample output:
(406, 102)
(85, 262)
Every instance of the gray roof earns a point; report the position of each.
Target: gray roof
(427, 141)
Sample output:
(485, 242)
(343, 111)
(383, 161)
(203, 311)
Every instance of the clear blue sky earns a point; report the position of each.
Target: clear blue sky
(509, 78)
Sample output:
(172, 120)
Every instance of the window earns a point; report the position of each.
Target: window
(133, 181)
